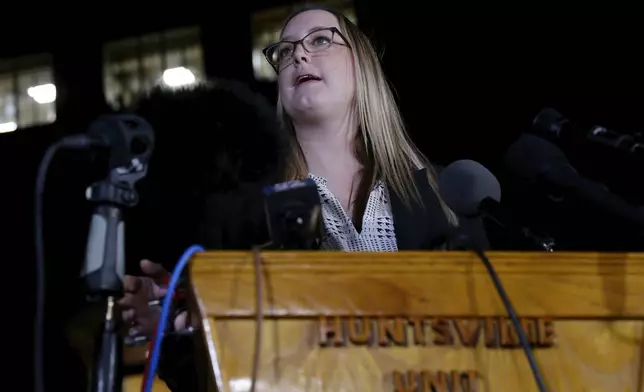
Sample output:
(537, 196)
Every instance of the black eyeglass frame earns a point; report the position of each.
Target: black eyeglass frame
(334, 30)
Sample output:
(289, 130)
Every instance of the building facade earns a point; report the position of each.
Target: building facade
(58, 79)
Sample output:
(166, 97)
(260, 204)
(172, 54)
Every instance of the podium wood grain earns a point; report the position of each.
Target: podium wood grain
(584, 313)
(133, 384)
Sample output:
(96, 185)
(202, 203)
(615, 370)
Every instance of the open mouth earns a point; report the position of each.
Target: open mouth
(306, 78)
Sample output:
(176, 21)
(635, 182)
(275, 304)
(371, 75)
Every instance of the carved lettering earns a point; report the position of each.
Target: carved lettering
(546, 333)
(332, 332)
(392, 332)
(492, 332)
(531, 328)
(470, 379)
(442, 333)
(491, 336)
(418, 325)
(509, 336)
(468, 331)
(435, 381)
(360, 330)
(405, 382)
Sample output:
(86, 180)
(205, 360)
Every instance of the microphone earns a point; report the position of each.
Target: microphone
(544, 165)
(130, 140)
(470, 190)
(293, 212)
(552, 124)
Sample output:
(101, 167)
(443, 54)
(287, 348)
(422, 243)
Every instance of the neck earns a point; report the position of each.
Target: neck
(328, 146)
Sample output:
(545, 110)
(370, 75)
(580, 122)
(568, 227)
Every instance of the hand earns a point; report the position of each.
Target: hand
(139, 290)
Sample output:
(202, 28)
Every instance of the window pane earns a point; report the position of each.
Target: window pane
(8, 121)
(36, 97)
(134, 66)
(194, 56)
(152, 69)
(27, 92)
(173, 59)
(111, 87)
(194, 60)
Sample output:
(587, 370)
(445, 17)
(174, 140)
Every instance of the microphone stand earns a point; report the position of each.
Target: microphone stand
(491, 210)
(104, 267)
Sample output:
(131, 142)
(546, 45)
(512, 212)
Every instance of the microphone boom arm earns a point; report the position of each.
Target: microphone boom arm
(490, 209)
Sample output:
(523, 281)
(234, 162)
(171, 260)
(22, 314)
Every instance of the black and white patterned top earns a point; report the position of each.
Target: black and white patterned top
(377, 233)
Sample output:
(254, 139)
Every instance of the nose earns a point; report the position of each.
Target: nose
(300, 54)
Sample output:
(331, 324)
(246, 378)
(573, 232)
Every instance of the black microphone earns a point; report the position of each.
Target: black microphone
(293, 212)
(470, 190)
(553, 125)
(130, 140)
(544, 165)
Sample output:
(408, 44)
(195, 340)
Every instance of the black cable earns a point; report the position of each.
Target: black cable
(39, 319)
(78, 142)
(538, 378)
(259, 315)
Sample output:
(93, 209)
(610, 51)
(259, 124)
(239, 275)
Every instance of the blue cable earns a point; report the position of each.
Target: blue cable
(165, 313)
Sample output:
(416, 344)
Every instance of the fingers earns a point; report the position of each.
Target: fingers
(140, 318)
(158, 291)
(181, 321)
(131, 284)
(129, 315)
(154, 271)
(130, 300)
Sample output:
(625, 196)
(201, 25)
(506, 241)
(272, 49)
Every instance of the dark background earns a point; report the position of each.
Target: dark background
(469, 82)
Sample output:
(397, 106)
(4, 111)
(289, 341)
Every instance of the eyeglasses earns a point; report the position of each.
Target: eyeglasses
(280, 54)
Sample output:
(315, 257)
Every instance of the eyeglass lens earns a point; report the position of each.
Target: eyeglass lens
(280, 54)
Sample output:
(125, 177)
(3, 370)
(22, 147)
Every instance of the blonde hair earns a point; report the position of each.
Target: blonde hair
(382, 144)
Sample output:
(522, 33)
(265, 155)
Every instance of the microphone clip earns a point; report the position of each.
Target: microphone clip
(633, 144)
(118, 188)
(546, 243)
(492, 210)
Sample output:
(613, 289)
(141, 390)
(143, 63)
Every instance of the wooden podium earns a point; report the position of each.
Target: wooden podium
(422, 321)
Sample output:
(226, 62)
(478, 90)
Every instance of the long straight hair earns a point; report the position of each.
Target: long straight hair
(382, 145)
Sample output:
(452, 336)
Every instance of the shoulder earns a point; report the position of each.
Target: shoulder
(437, 169)
(472, 227)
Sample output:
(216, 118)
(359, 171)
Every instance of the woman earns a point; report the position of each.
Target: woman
(347, 134)
(378, 192)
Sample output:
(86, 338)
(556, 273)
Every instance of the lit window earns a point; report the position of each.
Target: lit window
(27, 92)
(267, 25)
(133, 66)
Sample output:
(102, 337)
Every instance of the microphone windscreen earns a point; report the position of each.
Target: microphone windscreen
(531, 156)
(549, 122)
(465, 184)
